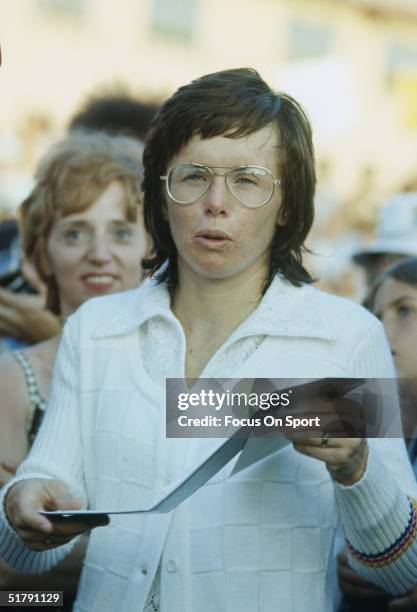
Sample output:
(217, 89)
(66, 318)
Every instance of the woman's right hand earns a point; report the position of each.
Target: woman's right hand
(23, 316)
(27, 498)
(352, 584)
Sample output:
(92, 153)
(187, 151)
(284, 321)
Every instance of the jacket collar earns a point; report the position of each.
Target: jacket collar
(284, 310)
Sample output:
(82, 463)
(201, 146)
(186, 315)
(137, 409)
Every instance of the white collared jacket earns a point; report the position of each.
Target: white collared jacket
(258, 542)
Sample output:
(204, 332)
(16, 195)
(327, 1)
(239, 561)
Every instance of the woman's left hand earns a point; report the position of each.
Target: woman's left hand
(353, 585)
(406, 602)
(345, 458)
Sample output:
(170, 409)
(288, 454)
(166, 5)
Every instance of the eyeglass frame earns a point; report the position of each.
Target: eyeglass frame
(213, 174)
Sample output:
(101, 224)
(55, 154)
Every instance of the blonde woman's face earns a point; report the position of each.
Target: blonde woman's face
(396, 306)
(97, 251)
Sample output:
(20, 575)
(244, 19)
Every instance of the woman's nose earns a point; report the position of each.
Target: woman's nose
(217, 199)
(100, 250)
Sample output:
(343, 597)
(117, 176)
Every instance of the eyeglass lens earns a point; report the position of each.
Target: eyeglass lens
(250, 185)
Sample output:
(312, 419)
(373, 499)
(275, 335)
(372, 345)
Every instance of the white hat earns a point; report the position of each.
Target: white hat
(396, 232)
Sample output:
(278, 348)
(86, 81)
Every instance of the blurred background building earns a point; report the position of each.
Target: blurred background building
(352, 63)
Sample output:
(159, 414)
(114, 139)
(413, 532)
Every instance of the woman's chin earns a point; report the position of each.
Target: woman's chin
(215, 272)
(210, 268)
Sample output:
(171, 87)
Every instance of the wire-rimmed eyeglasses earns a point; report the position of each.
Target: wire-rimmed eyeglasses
(251, 186)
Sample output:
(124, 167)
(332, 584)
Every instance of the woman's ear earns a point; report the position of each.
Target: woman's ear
(31, 274)
(280, 220)
(45, 264)
(149, 245)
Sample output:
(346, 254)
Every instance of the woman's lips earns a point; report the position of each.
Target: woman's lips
(213, 239)
(99, 282)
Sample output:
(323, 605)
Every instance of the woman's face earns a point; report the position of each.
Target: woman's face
(396, 305)
(97, 251)
(215, 236)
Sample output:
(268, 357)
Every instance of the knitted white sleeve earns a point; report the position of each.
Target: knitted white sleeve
(379, 512)
(56, 453)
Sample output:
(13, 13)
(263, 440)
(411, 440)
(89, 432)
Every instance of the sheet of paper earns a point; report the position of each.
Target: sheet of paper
(178, 492)
(255, 449)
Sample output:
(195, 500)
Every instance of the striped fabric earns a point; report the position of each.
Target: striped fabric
(392, 552)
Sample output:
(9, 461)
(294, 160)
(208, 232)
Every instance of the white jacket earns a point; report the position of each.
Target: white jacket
(260, 541)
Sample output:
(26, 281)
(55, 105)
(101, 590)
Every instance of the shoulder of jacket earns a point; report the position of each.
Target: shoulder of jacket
(99, 310)
(341, 313)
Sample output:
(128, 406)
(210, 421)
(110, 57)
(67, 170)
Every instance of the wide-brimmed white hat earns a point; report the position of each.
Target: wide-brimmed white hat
(396, 232)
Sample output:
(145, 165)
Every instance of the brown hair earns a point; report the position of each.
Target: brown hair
(233, 103)
(68, 179)
(403, 271)
(115, 113)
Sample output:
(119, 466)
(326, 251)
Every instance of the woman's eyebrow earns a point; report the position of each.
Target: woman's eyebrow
(72, 222)
(403, 298)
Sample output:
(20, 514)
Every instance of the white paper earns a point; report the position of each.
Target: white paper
(255, 449)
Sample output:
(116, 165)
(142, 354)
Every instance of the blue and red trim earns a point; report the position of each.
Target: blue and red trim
(392, 552)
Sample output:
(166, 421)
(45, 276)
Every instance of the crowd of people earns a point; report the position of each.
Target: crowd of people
(215, 221)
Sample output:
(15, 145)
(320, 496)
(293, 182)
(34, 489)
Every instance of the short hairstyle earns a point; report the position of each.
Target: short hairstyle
(403, 271)
(68, 179)
(116, 114)
(233, 103)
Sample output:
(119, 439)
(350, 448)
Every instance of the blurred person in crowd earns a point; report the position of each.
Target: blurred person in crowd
(395, 236)
(23, 318)
(82, 229)
(115, 114)
(393, 299)
(229, 185)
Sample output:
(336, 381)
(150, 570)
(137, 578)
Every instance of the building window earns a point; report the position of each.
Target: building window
(174, 18)
(309, 40)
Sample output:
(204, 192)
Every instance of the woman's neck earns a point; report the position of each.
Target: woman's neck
(217, 305)
(47, 349)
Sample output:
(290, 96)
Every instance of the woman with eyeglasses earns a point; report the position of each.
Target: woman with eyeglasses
(228, 189)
